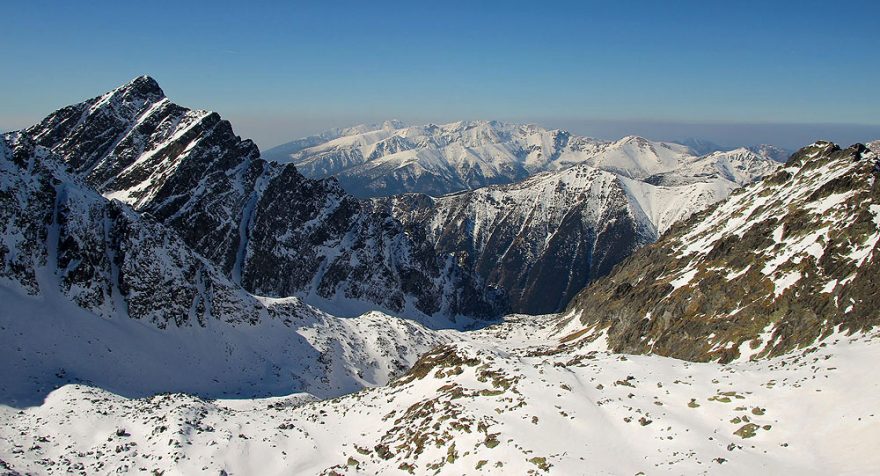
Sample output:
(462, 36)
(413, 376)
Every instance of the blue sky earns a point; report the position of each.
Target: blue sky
(726, 71)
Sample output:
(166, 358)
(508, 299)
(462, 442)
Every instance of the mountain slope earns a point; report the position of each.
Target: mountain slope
(775, 267)
(263, 224)
(94, 292)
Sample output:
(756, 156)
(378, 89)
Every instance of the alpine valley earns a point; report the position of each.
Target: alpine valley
(469, 298)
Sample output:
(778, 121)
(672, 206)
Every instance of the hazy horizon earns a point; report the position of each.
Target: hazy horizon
(271, 130)
(743, 73)
(269, 133)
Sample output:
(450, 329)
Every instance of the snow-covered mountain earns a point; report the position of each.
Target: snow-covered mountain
(771, 151)
(373, 161)
(777, 266)
(277, 233)
(544, 238)
(262, 224)
(281, 153)
(95, 293)
(740, 166)
(433, 159)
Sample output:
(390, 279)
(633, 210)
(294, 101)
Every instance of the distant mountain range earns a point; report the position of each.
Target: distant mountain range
(392, 158)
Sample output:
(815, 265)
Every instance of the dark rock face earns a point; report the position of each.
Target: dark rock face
(262, 224)
(63, 239)
(778, 266)
(541, 240)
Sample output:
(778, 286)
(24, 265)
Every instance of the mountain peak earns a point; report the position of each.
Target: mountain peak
(638, 140)
(818, 148)
(142, 86)
(393, 124)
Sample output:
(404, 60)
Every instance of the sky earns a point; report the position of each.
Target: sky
(744, 72)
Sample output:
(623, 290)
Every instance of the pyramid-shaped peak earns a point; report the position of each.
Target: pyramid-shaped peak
(143, 86)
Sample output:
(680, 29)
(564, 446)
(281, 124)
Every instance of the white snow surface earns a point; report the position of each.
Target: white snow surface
(46, 341)
(514, 402)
